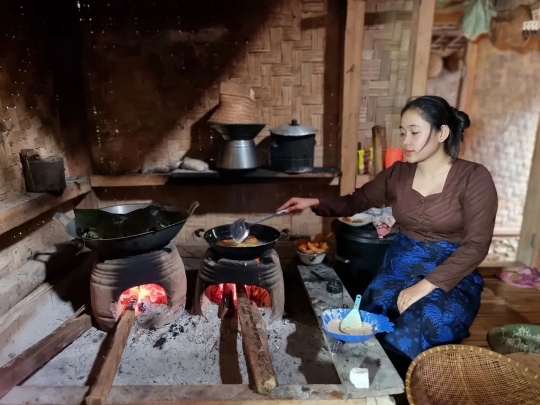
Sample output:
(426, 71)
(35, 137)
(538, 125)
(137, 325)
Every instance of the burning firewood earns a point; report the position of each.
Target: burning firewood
(253, 336)
(99, 393)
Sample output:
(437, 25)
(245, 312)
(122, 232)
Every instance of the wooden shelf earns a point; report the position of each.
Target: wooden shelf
(30, 205)
(183, 176)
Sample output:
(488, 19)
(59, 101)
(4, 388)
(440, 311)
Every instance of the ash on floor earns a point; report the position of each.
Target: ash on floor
(195, 350)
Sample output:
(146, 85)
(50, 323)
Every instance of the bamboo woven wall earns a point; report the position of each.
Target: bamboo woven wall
(153, 73)
(504, 115)
(385, 67)
(28, 120)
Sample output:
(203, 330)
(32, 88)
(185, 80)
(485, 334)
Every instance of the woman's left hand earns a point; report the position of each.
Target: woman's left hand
(410, 295)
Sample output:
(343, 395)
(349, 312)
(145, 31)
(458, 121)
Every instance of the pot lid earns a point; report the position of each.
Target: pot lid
(293, 129)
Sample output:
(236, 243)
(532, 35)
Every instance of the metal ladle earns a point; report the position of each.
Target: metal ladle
(240, 229)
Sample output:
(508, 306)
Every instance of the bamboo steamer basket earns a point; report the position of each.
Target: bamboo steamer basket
(236, 105)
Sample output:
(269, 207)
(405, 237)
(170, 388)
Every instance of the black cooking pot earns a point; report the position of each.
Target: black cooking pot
(267, 235)
(292, 148)
(359, 254)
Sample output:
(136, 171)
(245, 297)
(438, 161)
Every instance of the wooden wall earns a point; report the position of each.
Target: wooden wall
(446, 85)
(29, 119)
(385, 66)
(504, 112)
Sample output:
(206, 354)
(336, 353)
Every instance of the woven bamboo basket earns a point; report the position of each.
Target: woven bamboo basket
(236, 105)
(468, 375)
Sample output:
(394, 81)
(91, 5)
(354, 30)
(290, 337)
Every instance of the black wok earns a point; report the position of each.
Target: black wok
(129, 245)
(266, 235)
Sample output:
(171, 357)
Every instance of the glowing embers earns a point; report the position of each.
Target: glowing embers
(226, 292)
(145, 296)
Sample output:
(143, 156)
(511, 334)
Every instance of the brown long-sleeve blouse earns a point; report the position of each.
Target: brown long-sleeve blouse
(464, 212)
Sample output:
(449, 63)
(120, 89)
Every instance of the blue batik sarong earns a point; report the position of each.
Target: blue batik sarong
(438, 318)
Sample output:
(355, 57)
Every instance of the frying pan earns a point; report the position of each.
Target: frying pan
(129, 245)
(267, 235)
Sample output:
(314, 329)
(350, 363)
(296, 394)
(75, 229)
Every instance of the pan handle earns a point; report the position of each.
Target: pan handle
(199, 232)
(62, 219)
(285, 233)
(194, 205)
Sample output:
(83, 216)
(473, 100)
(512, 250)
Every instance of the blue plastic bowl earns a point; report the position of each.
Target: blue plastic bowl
(379, 323)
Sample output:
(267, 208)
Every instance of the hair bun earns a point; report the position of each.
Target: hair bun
(463, 119)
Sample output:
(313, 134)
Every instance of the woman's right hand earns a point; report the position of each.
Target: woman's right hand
(299, 204)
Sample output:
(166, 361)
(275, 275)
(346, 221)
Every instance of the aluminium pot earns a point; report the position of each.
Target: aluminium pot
(292, 148)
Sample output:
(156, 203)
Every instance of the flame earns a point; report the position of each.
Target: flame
(147, 294)
(258, 295)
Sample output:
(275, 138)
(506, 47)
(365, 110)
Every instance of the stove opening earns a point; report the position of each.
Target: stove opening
(149, 298)
(219, 293)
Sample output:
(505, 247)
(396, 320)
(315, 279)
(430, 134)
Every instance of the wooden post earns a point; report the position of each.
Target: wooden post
(420, 45)
(22, 366)
(379, 137)
(257, 358)
(99, 393)
(467, 83)
(352, 81)
(529, 245)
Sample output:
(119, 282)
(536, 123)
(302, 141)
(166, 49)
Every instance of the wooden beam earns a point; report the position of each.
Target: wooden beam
(49, 263)
(99, 393)
(384, 379)
(22, 366)
(129, 180)
(467, 84)
(260, 365)
(379, 140)
(352, 81)
(232, 394)
(420, 46)
(529, 244)
(183, 176)
(30, 205)
(447, 18)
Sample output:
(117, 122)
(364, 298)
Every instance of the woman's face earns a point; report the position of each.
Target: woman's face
(418, 145)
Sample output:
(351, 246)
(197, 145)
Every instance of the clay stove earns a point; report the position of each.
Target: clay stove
(263, 279)
(157, 280)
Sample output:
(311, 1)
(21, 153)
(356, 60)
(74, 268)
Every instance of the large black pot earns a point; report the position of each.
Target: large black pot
(359, 254)
(292, 148)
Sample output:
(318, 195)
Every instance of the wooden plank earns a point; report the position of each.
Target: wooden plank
(179, 176)
(447, 18)
(529, 245)
(99, 393)
(467, 84)
(129, 180)
(379, 140)
(352, 82)
(384, 379)
(30, 205)
(260, 365)
(36, 356)
(29, 321)
(420, 46)
(233, 394)
(18, 284)
(262, 332)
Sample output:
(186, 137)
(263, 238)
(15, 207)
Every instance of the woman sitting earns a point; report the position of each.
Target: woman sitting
(445, 207)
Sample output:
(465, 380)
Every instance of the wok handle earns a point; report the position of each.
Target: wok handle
(199, 232)
(284, 234)
(194, 205)
(62, 219)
